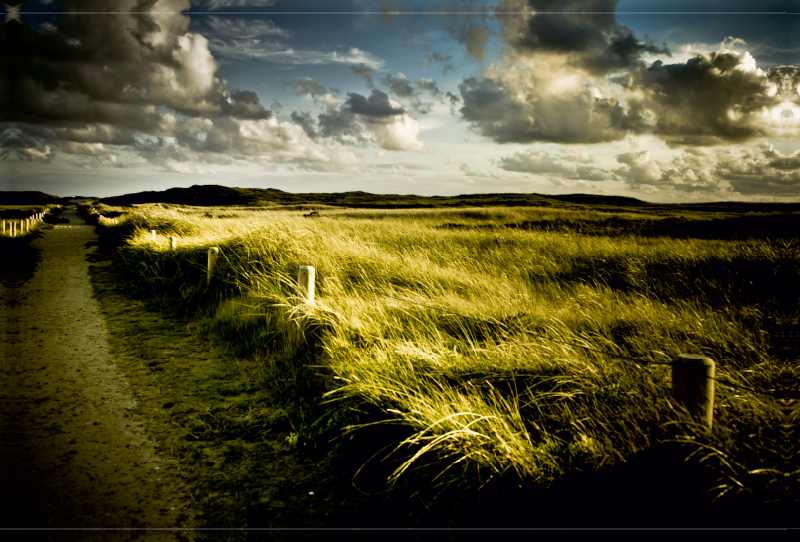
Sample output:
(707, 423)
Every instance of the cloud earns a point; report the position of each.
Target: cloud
(576, 153)
(144, 83)
(24, 146)
(571, 73)
(305, 122)
(692, 171)
(399, 85)
(770, 173)
(514, 106)
(446, 61)
(584, 32)
(428, 85)
(71, 147)
(118, 70)
(533, 162)
(312, 87)
(342, 126)
(541, 163)
(262, 50)
(363, 71)
(361, 117)
(216, 27)
(708, 100)
(377, 106)
(469, 172)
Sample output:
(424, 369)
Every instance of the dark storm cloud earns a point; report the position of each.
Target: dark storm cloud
(377, 106)
(401, 87)
(494, 110)
(706, 100)
(585, 31)
(342, 126)
(115, 70)
(347, 122)
(361, 120)
(144, 82)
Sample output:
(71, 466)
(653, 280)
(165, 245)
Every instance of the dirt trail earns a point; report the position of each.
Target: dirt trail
(72, 455)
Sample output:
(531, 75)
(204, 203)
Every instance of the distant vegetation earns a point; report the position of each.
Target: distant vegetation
(30, 198)
(214, 195)
(519, 343)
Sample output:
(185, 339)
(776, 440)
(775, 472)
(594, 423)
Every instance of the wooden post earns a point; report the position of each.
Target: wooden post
(305, 283)
(213, 252)
(693, 385)
(13, 232)
(153, 233)
(173, 241)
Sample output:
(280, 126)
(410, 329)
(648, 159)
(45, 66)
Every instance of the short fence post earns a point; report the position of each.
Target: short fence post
(153, 233)
(173, 241)
(693, 385)
(305, 283)
(213, 252)
(13, 228)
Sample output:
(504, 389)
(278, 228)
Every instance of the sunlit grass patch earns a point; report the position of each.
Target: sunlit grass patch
(529, 352)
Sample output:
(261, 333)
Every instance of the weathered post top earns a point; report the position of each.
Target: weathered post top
(693, 385)
(305, 283)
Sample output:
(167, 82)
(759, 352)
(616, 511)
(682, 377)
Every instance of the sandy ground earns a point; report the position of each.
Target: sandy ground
(72, 454)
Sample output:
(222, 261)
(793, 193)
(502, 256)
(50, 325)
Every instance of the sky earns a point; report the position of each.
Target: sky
(662, 100)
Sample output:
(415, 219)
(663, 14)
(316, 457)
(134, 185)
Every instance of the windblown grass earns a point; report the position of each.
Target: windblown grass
(518, 351)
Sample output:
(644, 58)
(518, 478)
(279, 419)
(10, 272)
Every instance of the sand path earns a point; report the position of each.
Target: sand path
(72, 454)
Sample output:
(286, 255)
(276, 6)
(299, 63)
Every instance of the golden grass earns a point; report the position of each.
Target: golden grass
(514, 370)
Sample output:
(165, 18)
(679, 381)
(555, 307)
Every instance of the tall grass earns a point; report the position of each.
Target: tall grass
(519, 352)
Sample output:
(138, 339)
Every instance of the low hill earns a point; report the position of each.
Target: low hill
(222, 196)
(30, 198)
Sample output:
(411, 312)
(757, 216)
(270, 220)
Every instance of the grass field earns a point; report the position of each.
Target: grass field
(523, 344)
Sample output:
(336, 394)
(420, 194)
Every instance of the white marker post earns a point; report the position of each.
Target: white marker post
(693, 385)
(305, 283)
(173, 241)
(213, 252)
(153, 233)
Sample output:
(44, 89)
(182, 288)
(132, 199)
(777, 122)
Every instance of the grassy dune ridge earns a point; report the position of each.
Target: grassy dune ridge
(514, 374)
